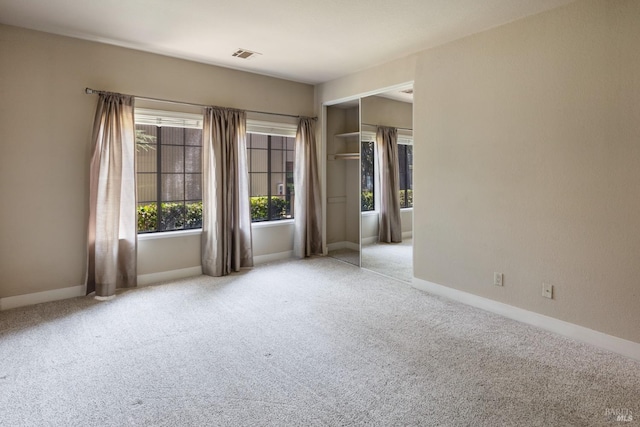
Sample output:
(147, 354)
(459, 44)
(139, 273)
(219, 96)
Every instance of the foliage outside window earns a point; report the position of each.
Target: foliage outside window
(367, 176)
(270, 159)
(405, 167)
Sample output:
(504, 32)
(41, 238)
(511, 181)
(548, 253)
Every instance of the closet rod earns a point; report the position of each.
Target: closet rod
(90, 91)
(371, 124)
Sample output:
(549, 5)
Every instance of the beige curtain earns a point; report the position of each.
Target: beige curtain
(226, 222)
(307, 238)
(390, 227)
(112, 235)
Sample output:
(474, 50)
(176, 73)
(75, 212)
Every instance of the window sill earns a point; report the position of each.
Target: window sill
(370, 213)
(276, 223)
(198, 231)
(407, 209)
(169, 234)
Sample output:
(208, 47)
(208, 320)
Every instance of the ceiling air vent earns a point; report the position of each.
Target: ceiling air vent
(245, 54)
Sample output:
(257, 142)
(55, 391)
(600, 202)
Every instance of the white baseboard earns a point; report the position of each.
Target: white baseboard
(365, 241)
(335, 246)
(263, 259)
(598, 339)
(143, 280)
(343, 245)
(369, 240)
(182, 273)
(39, 297)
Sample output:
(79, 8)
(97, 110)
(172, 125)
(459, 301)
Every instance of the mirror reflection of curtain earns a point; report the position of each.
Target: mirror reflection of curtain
(112, 236)
(226, 222)
(307, 239)
(390, 226)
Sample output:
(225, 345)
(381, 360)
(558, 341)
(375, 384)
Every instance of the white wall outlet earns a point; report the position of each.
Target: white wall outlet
(547, 290)
(497, 279)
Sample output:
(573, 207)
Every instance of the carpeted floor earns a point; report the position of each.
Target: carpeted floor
(391, 259)
(346, 255)
(298, 343)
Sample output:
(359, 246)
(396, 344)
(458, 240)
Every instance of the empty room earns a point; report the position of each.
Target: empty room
(329, 213)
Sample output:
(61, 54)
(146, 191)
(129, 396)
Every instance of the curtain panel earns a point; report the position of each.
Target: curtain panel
(307, 238)
(112, 234)
(390, 226)
(226, 222)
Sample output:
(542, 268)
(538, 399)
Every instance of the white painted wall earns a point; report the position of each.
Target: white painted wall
(45, 133)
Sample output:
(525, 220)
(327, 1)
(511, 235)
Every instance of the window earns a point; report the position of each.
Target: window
(405, 163)
(367, 163)
(168, 167)
(270, 159)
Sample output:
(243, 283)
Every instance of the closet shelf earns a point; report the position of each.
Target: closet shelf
(347, 135)
(344, 156)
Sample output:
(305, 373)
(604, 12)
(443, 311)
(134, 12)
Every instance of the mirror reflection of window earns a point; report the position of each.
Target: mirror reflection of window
(405, 160)
(367, 176)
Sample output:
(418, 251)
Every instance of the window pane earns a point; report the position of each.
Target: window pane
(277, 142)
(270, 159)
(172, 136)
(146, 158)
(290, 143)
(409, 176)
(194, 215)
(259, 161)
(172, 217)
(193, 137)
(257, 141)
(147, 185)
(402, 165)
(147, 217)
(194, 186)
(172, 159)
(170, 193)
(172, 187)
(193, 159)
(258, 184)
(280, 207)
(259, 208)
(278, 183)
(367, 184)
(278, 160)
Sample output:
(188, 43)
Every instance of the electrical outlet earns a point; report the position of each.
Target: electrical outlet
(497, 279)
(547, 290)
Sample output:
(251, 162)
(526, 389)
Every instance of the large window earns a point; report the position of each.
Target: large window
(270, 159)
(405, 163)
(367, 162)
(169, 175)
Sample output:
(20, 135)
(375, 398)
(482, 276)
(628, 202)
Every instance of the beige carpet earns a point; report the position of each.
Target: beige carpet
(300, 343)
(391, 259)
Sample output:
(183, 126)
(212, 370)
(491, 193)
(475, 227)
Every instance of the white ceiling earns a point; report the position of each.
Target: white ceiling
(310, 41)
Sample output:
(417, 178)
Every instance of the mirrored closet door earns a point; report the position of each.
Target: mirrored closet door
(393, 110)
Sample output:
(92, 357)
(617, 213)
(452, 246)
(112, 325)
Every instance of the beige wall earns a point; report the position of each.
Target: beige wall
(381, 111)
(45, 132)
(529, 157)
(527, 161)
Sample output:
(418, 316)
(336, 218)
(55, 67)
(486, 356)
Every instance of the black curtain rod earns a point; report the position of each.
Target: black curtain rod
(90, 91)
(371, 124)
